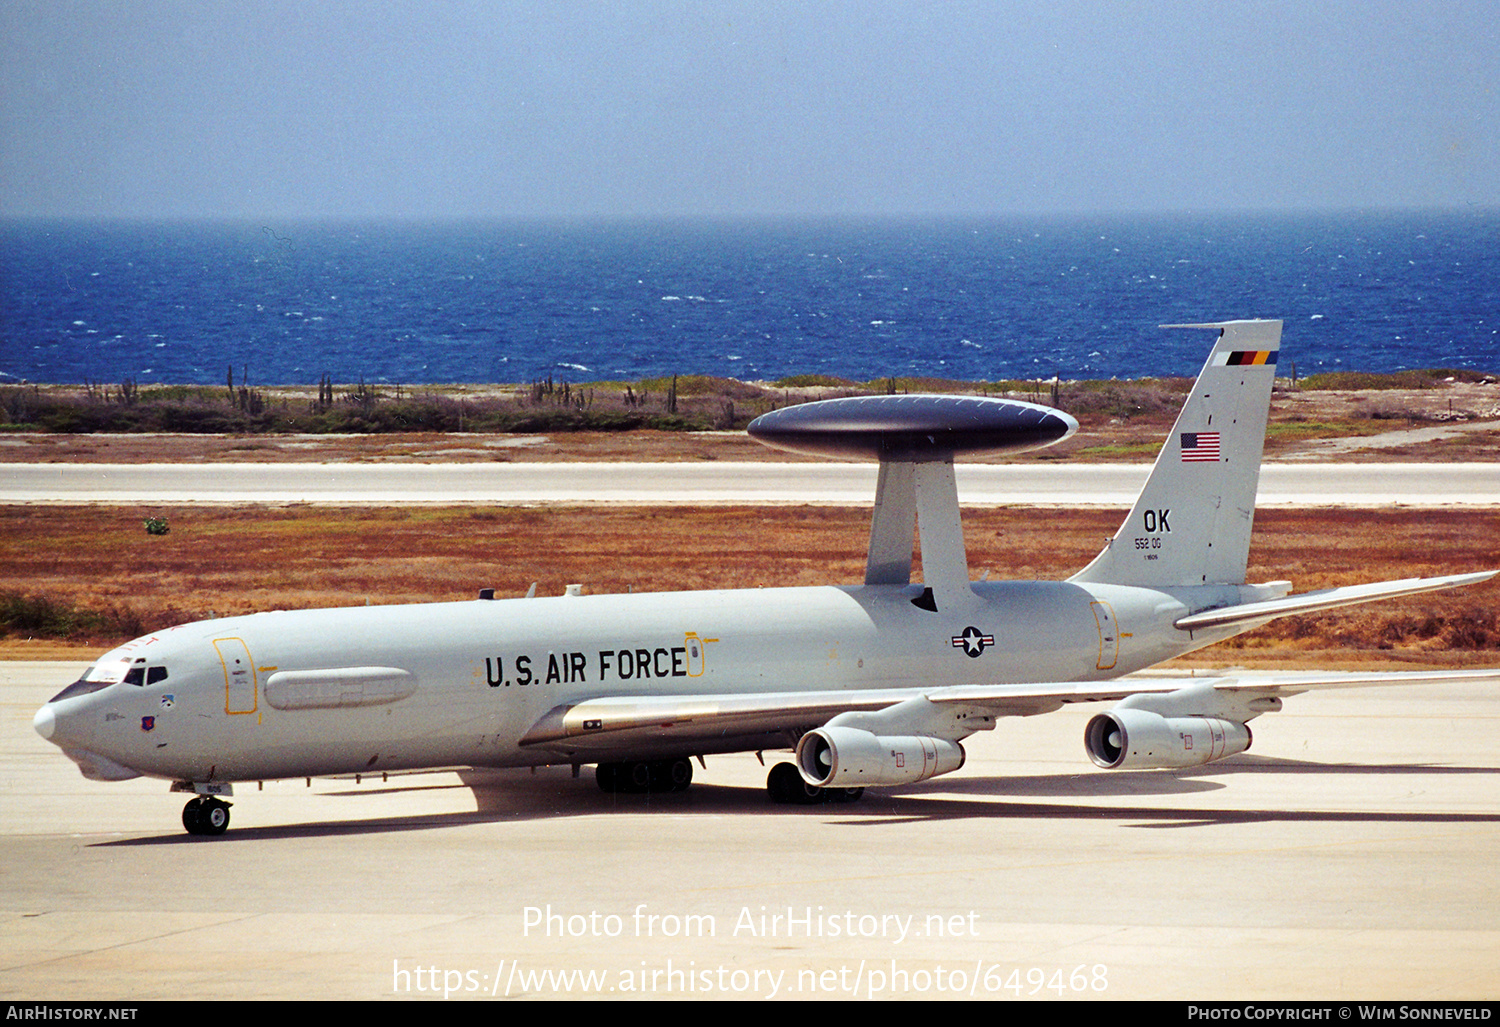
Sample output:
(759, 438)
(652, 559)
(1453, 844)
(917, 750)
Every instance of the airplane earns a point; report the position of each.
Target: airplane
(874, 684)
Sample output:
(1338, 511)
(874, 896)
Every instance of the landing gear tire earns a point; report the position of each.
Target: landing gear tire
(671, 776)
(843, 794)
(644, 776)
(637, 777)
(785, 786)
(206, 815)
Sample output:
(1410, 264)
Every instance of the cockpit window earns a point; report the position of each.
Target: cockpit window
(106, 671)
(83, 686)
(102, 675)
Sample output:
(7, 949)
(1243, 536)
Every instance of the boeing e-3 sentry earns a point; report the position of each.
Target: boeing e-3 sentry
(869, 685)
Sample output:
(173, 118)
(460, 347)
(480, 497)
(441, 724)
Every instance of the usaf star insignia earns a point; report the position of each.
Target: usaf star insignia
(973, 641)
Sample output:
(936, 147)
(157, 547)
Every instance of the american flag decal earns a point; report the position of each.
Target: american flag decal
(1200, 447)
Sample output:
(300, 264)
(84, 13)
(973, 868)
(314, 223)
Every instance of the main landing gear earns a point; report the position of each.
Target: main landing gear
(206, 814)
(645, 776)
(785, 786)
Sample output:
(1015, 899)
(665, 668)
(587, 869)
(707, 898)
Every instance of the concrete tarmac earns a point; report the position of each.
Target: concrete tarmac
(716, 482)
(1351, 854)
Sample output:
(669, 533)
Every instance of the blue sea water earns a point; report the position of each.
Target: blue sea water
(976, 299)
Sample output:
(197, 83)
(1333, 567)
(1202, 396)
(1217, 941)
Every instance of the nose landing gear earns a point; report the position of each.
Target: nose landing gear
(206, 814)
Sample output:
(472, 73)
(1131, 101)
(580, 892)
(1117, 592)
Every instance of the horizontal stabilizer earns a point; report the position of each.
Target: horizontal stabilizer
(1326, 599)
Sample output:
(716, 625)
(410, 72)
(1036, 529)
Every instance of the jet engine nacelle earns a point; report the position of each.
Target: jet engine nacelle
(847, 757)
(1144, 740)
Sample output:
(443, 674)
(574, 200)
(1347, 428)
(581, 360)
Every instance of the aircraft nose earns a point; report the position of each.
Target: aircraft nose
(45, 722)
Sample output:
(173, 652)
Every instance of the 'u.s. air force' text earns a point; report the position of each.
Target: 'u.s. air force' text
(662, 661)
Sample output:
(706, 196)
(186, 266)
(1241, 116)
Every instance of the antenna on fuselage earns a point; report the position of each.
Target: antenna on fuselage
(915, 438)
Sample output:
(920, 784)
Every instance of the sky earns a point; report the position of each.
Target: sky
(566, 108)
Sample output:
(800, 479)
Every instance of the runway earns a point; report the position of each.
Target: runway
(1348, 856)
(1109, 485)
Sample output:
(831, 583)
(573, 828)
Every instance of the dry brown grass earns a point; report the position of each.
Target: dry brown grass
(217, 562)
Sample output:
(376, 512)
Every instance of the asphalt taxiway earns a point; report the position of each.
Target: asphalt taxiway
(1459, 484)
(1349, 855)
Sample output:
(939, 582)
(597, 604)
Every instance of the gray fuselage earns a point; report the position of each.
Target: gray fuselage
(459, 684)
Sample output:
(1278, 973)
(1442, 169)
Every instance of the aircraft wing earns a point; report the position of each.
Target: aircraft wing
(609, 726)
(1325, 599)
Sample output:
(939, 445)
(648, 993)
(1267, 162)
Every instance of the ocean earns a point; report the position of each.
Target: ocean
(516, 301)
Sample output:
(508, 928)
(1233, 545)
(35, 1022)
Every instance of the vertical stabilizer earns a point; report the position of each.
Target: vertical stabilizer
(1191, 524)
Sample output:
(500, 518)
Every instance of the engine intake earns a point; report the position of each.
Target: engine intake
(1142, 740)
(846, 757)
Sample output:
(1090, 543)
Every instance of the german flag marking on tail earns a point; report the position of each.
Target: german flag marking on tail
(1245, 357)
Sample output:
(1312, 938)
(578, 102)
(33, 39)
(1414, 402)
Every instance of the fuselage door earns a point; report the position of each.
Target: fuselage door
(239, 675)
(1109, 634)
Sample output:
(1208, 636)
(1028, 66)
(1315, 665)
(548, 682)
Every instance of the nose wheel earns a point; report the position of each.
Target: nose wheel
(206, 814)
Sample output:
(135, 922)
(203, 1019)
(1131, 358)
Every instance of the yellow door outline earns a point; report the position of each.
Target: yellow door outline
(1109, 634)
(240, 688)
(697, 653)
